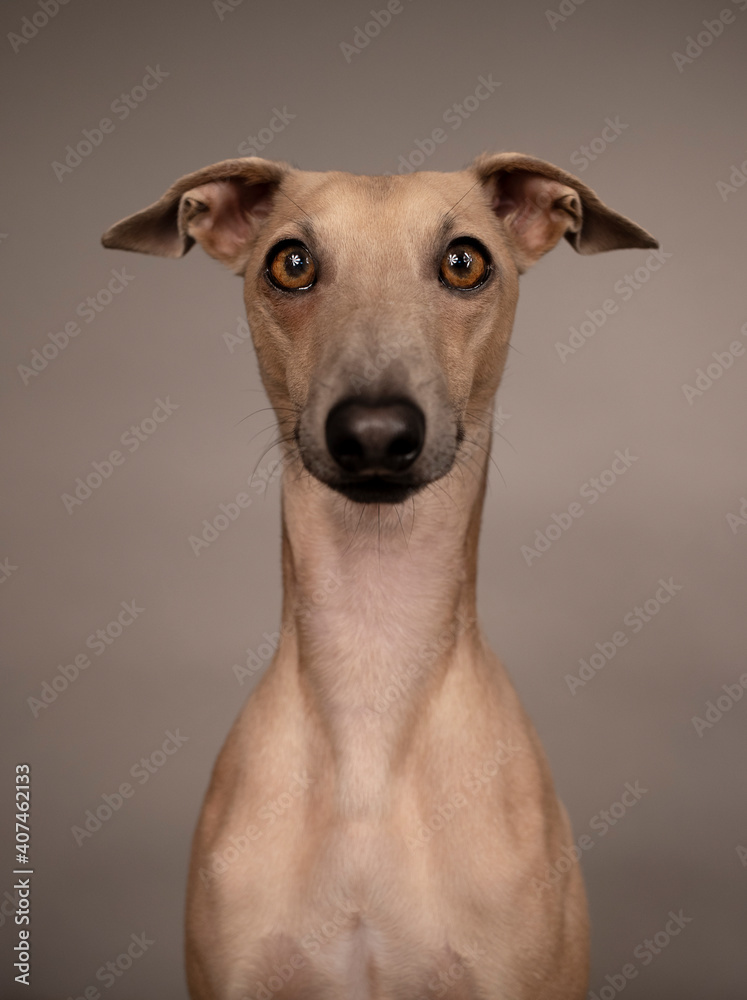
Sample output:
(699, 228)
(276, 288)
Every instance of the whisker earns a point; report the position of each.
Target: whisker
(477, 444)
(283, 439)
(264, 409)
(355, 532)
(399, 518)
(378, 515)
(438, 485)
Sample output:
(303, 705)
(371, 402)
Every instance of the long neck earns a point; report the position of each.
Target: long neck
(378, 603)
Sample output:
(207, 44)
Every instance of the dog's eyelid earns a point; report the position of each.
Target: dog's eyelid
(286, 241)
(471, 241)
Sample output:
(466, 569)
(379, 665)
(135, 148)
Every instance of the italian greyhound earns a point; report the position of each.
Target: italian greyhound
(381, 822)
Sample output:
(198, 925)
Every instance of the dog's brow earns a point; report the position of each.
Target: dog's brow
(447, 227)
(464, 195)
(307, 229)
(294, 203)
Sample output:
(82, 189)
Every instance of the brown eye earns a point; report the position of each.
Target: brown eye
(463, 266)
(291, 267)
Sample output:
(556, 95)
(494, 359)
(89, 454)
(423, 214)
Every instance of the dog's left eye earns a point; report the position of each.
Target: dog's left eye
(291, 267)
(464, 266)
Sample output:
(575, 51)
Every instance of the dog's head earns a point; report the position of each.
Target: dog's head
(380, 307)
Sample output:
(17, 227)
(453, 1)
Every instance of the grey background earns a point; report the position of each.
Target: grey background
(676, 849)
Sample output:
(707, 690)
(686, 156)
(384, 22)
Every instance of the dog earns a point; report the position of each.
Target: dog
(382, 813)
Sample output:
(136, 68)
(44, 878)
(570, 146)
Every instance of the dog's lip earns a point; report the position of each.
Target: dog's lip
(376, 489)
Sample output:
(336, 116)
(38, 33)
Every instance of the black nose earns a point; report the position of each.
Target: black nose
(375, 438)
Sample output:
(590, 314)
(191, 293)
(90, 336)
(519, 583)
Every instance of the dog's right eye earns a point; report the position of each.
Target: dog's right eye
(464, 265)
(291, 267)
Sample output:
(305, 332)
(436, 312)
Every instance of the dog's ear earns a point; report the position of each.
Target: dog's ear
(219, 207)
(539, 203)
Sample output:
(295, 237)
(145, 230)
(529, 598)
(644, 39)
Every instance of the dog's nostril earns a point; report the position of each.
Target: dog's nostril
(404, 445)
(348, 447)
(375, 438)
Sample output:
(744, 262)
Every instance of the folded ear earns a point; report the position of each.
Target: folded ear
(219, 207)
(539, 203)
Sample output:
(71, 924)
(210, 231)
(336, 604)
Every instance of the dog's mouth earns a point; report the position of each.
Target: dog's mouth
(376, 489)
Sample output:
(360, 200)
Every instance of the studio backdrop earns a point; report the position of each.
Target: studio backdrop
(140, 605)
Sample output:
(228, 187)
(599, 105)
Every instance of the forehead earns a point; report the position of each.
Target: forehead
(417, 206)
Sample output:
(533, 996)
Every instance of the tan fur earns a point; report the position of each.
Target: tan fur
(419, 819)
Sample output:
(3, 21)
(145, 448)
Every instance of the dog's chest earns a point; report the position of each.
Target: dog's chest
(362, 926)
(359, 960)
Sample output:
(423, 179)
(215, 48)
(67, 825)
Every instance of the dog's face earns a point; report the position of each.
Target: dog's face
(380, 313)
(380, 307)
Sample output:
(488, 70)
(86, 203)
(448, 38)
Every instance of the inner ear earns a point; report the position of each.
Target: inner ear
(537, 210)
(217, 206)
(221, 216)
(539, 202)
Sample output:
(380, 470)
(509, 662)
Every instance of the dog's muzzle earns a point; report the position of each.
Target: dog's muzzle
(374, 446)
